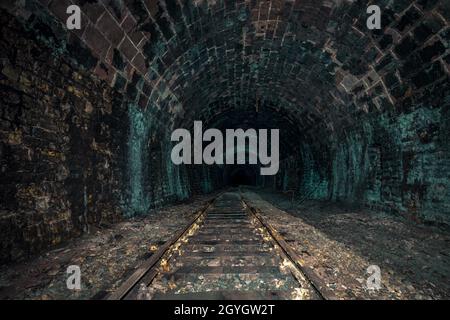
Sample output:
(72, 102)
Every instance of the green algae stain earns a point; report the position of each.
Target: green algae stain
(206, 180)
(314, 185)
(254, 66)
(243, 14)
(139, 201)
(229, 23)
(174, 177)
(174, 182)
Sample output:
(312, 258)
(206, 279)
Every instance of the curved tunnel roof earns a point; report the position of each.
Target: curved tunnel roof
(313, 62)
(211, 57)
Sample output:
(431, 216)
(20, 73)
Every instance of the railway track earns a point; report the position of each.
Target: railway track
(227, 251)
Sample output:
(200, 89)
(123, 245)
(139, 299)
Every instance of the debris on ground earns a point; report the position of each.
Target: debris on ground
(340, 244)
(106, 257)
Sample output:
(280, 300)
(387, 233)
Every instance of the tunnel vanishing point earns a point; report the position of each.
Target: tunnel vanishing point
(363, 118)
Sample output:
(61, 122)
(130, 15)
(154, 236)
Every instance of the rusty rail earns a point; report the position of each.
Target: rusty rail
(148, 270)
(321, 289)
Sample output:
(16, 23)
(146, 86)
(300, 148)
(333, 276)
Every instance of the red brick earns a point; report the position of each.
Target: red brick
(105, 72)
(143, 101)
(139, 63)
(110, 28)
(137, 37)
(128, 23)
(96, 41)
(92, 10)
(128, 49)
(129, 71)
(59, 9)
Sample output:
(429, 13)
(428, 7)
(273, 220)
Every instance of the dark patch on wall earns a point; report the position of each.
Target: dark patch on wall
(55, 144)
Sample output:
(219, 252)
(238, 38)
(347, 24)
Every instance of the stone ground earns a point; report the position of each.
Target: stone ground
(341, 243)
(106, 257)
(338, 243)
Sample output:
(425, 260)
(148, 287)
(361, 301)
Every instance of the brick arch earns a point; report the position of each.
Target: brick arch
(366, 111)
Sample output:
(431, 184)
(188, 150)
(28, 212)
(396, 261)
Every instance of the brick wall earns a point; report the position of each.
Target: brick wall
(60, 142)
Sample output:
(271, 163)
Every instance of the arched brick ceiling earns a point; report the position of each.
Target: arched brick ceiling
(237, 53)
(312, 61)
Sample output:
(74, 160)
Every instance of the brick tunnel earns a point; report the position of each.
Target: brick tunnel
(87, 174)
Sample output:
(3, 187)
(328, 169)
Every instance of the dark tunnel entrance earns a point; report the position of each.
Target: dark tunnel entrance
(240, 175)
